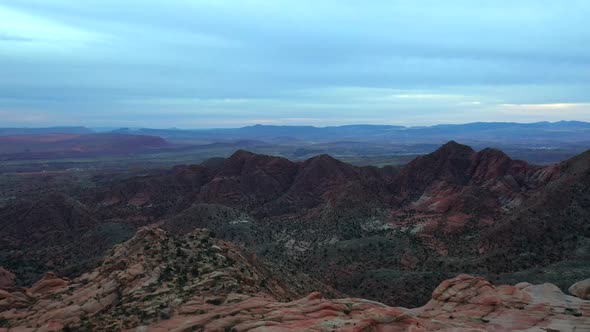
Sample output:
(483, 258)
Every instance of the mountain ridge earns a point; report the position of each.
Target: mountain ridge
(355, 228)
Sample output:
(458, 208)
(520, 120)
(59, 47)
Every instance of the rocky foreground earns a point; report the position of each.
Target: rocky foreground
(156, 282)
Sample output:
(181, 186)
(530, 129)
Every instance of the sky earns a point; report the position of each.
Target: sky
(226, 63)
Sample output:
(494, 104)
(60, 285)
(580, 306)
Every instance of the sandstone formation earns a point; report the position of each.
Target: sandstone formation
(464, 303)
(145, 280)
(157, 282)
(581, 289)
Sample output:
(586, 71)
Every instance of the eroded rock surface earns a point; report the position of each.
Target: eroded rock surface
(581, 289)
(157, 282)
(144, 280)
(464, 303)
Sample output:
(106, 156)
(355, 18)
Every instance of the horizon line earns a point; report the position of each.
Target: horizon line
(293, 126)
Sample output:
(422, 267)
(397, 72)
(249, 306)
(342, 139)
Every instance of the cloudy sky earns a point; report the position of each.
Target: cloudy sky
(226, 63)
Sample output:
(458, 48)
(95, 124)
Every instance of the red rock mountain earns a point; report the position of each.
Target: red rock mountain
(457, 169)
(390, 234)
(444, 181)
(249, 180)
(155, 282)
(551, 224)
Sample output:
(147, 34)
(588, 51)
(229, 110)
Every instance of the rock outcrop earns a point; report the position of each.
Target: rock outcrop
(156, 282)
(464, 303)
(581, 289)
(147, 279)
(48, 284)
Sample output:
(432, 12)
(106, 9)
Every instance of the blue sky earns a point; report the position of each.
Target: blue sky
(215, 63)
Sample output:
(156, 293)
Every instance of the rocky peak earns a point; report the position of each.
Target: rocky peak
(450, 163)
(493, 164)
(454, 149)
(241, 155)
(492, 154)
(323, 158)
(149, 278)
(248, 179)
(234, 164)
(245, 162)
(325, 166)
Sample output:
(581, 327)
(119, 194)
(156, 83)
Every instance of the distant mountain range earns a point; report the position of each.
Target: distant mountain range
(564, 131)
(538, 143)
(536, 133)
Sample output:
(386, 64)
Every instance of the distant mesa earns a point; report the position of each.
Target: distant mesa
(71, 145)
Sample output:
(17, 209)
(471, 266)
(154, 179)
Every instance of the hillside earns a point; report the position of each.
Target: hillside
(389, 234)
(158, 282)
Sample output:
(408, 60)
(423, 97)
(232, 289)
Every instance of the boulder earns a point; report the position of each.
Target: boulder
(581, 289)
(48, 284)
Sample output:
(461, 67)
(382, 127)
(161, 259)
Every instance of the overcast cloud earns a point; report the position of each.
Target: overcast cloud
(213, 63)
